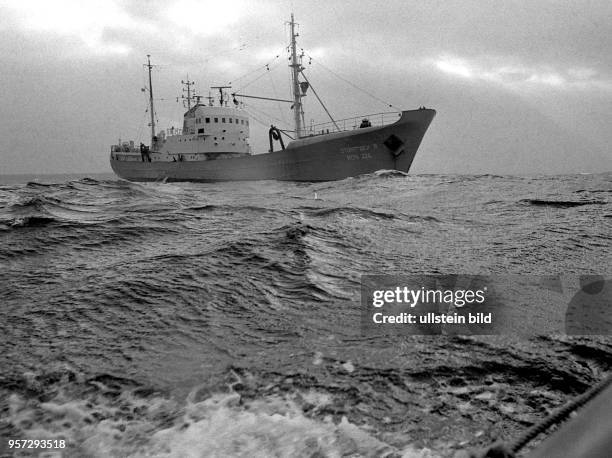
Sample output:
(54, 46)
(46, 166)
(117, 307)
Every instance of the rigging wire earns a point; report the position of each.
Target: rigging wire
(258, 69)
(263, 123)
(146, 110)
(320, 101)
(249, 73)
(278, 104)
(352, 84)
(239, 47)
(250, 108)
(142, 123)
(268, 70)
(256, 118)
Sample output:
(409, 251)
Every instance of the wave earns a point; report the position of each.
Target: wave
(35, 202)
(30, 221)
(593, 191)
(562, 203)
(230, 208)
(453, 179)
(368, 179)
(37, 185)
(110, 416)
(40, 211)
(342, 211)
(389, 174)
(492, 175)
(364, 213)
(426, 218)
(87, 180)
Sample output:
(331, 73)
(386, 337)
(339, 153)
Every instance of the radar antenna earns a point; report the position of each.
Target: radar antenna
(221, 99)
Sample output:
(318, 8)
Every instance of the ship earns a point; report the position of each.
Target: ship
(213, 143)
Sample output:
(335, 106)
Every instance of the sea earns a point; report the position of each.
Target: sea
(223, 319)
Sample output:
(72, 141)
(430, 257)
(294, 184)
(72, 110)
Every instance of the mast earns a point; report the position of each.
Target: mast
(189, 97)
(296, 67)
(149, 66)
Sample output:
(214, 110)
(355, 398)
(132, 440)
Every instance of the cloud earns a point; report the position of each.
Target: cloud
(205, 17)
(520, 76)
(454, 66)
(115, 27)
(83, 23)
(178, 32)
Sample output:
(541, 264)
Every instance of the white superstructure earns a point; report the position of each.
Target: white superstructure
(208, 132)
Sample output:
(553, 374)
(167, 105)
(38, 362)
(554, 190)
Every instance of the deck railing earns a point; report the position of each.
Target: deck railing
(375, 119)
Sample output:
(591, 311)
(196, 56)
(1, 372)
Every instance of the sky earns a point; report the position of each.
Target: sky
(520, 86)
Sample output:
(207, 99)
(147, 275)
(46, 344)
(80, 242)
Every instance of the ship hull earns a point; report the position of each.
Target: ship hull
(319, 158)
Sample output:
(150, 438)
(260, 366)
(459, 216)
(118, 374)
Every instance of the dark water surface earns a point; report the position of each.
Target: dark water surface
(223, 319)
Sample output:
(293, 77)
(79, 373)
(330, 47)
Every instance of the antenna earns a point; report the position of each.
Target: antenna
(221, 92)
(189, 91)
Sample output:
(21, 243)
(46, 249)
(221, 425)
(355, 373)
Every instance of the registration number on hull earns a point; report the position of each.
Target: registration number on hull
(356, 157)
(355, 153)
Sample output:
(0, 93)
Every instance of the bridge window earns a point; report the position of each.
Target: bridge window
(207, 120)
(200, 131)
(216, 119)
(236, 120)
(222, 119)
(231, 120)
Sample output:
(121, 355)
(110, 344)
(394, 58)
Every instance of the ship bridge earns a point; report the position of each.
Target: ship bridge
(209, 132)
(215, 120)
